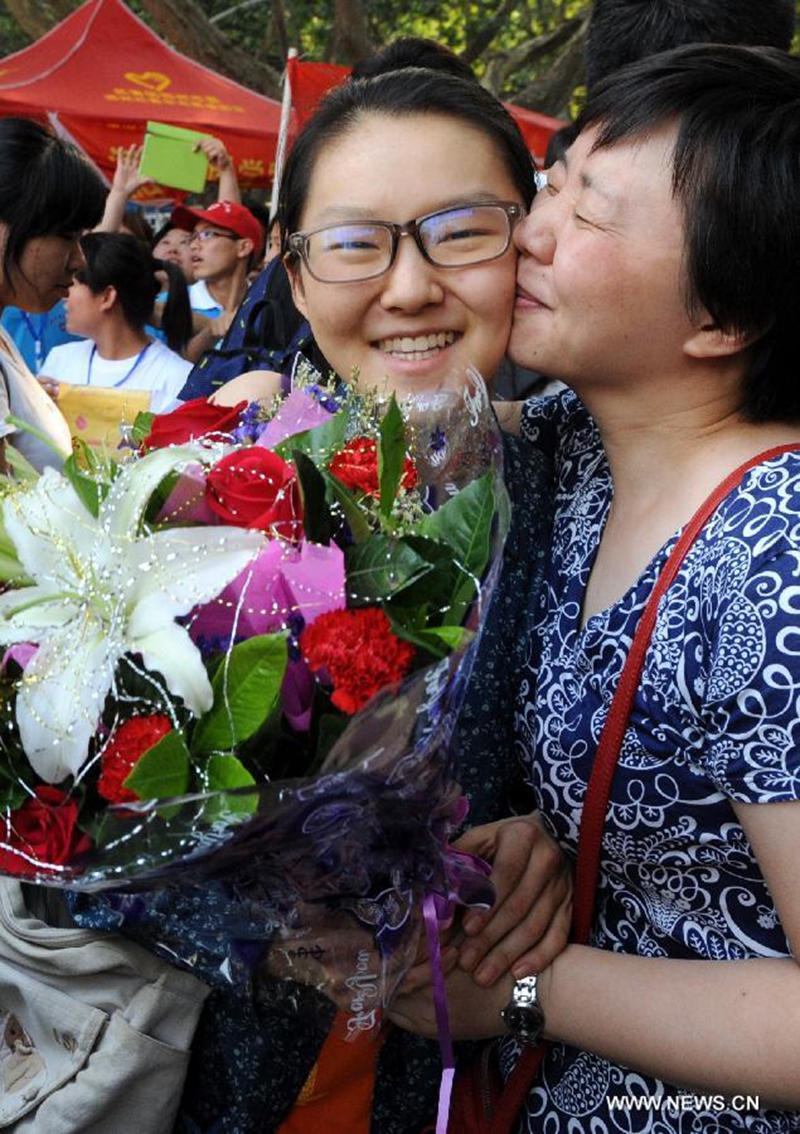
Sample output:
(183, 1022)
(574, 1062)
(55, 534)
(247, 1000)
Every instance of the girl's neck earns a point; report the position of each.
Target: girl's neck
(116, 340)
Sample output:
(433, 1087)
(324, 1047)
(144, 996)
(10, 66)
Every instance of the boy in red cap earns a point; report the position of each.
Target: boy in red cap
(226, 239)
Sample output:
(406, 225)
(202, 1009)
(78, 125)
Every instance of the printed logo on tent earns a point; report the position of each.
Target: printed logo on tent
(149, 88)
(152, 80)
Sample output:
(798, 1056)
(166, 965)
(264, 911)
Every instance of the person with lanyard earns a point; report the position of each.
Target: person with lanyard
(110, 302)
(49, 194)
(226, 240)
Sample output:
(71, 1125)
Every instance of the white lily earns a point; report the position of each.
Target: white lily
(102, 588)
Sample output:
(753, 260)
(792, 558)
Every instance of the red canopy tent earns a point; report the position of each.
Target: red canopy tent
(310, 81)
(101, 74)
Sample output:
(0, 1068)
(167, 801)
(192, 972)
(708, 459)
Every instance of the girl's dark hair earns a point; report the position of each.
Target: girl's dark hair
(399, 94)
(413, 51)
(736, 176)
(138, 225)
(115, 259)
(47, 188)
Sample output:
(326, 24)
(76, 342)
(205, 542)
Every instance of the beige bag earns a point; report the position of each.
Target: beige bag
(94, 1030)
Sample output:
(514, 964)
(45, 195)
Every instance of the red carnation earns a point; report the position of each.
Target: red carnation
(45, 829)
(123, 751)
(356, 466)
(198, 418)
(255, 488)
(359, 653)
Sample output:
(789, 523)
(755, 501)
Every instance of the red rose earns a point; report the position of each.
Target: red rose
(119, 757)
(44, 829)
(255, 488)
(356, 466)
(358, 651)
(198, 418)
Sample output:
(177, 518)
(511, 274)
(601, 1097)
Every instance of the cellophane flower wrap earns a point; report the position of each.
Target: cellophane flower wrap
(233, 661)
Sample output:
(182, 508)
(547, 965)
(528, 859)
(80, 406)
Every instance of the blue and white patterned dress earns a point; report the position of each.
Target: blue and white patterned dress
(715, 719)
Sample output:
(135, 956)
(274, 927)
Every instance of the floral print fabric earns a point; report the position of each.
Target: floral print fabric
(715, 719)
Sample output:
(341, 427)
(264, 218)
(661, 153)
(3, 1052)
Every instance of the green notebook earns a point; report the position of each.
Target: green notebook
(169, 158)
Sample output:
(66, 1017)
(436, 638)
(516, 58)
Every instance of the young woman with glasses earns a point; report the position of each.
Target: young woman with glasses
(397, 210)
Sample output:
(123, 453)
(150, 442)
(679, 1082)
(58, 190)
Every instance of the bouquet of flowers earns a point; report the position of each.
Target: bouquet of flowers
(235, 656)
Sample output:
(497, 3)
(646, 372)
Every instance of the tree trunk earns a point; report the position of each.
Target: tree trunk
(350, 40)
(36, 17)
(487, 32)
(279, 33)
(189, 30)
(552, 94)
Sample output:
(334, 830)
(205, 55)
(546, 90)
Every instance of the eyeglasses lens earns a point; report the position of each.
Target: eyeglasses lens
(349, 252)
(453, 238)
(465, 236)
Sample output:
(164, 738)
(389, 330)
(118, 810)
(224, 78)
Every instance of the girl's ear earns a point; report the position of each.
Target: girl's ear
(292, 265)
(108, 298)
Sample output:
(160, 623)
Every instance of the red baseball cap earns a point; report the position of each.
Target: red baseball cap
(224, 214)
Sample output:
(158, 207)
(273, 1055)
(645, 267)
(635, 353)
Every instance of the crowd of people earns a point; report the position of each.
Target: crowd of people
(654, 277)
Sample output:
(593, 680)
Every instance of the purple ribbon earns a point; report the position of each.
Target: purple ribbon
(466, 884)
(430, 913)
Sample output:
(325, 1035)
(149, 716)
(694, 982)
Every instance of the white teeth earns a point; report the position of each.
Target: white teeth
(420, 346)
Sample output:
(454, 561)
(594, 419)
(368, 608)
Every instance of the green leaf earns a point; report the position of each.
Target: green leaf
(319, 443)
(141, 427)
(356, 519)
(464, 524)
(19, 465)
(437, 587)
(163, 770)
(90, 491)
(246, 689)
(224, 773)
(379, 568)
(436, 640)
(317, 522)
(391, 455)
(90, 475)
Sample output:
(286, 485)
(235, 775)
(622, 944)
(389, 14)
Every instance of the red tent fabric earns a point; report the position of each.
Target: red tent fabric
(310, 81)
(103, 73)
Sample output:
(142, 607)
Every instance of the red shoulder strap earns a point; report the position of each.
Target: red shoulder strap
(598, 790)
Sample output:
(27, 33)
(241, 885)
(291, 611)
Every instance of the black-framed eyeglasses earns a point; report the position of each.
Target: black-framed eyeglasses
(457, 237)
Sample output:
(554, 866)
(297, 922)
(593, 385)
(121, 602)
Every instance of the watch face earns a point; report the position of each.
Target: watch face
(526, 1023)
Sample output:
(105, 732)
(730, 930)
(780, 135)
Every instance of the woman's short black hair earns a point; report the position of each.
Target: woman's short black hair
(118, 260)
(47, 187)
(400, 94)
(736, 176)
(622, 31)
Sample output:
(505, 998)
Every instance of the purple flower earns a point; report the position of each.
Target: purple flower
(249, 426)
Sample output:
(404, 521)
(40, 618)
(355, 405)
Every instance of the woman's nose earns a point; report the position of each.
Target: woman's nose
(411, 282)
(535, 235)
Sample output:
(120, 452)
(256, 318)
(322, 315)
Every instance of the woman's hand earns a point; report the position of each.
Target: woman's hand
(255, 386)
(220, 160)
(126, 175)
(216, 154)
(474, 1012)
(530, 921)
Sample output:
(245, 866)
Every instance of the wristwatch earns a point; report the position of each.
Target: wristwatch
(523, 1015)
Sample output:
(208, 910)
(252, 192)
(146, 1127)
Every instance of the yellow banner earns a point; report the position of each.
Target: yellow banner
(95, 415)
